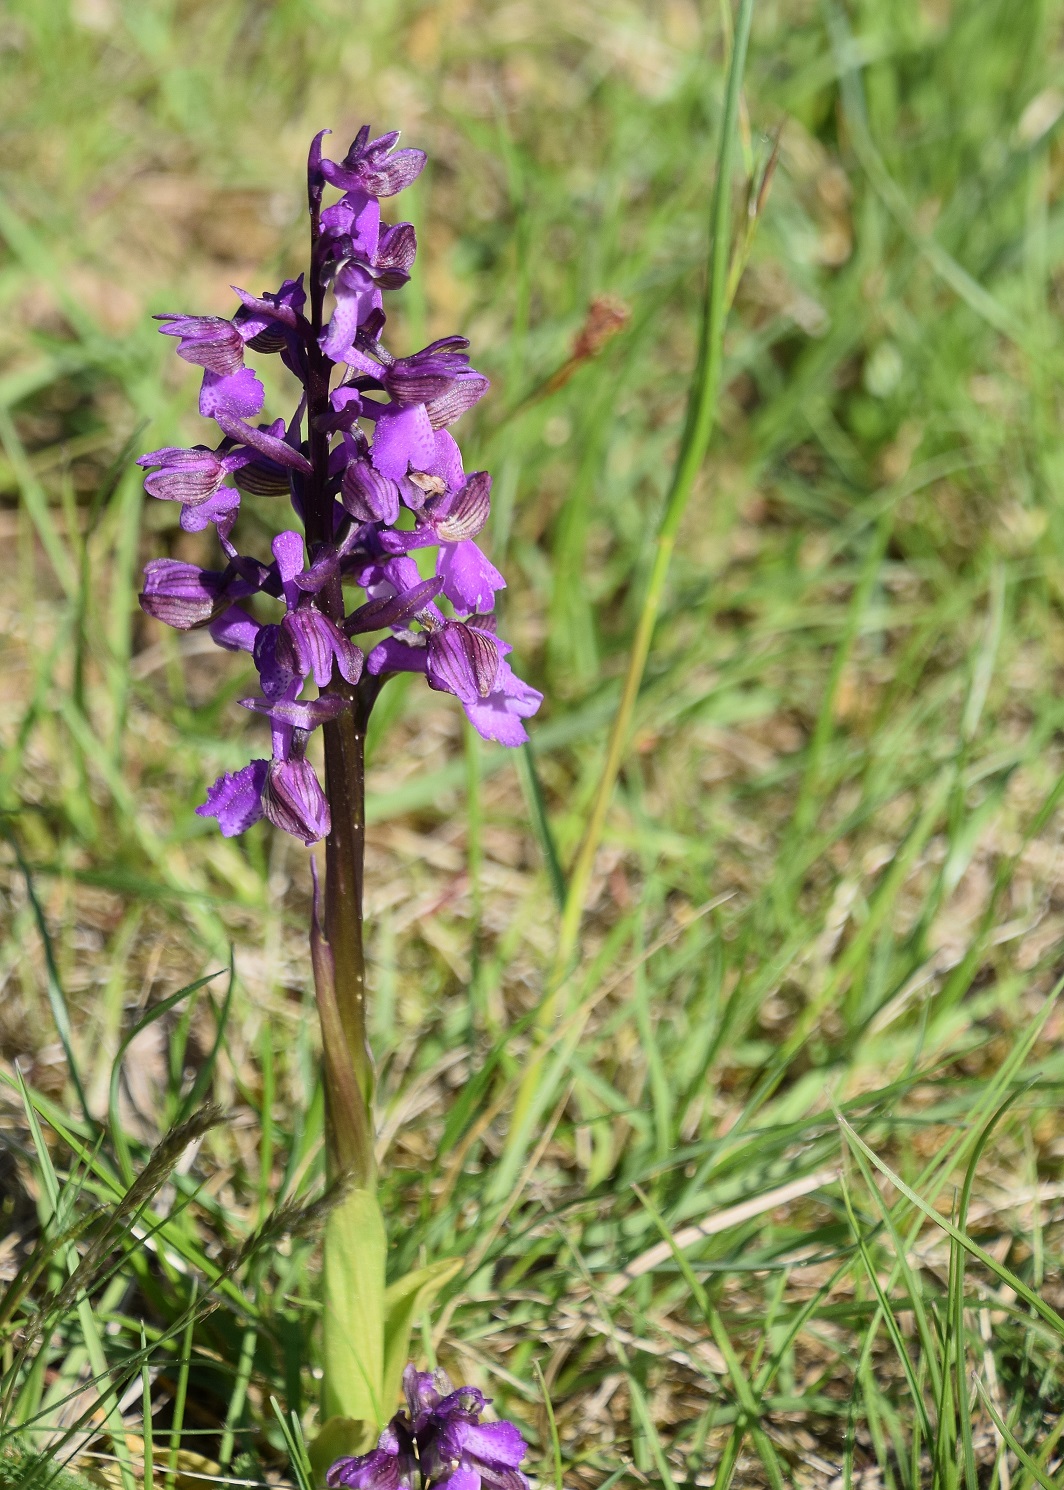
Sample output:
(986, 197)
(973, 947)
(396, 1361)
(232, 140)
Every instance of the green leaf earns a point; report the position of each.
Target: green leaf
(404, 1301)
(353, 1301)
(337, 1439)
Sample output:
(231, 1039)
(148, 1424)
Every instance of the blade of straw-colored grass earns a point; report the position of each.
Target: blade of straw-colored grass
(714, 1224)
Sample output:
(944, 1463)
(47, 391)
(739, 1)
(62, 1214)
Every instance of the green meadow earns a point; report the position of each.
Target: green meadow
(769, 1190)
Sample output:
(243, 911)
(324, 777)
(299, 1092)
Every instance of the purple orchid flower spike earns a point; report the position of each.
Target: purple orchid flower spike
(383, 570)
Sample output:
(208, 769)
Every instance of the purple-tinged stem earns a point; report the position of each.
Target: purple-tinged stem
(345, 745)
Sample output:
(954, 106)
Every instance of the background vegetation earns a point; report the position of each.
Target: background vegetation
(828, 910)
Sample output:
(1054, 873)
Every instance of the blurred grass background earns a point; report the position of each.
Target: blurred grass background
(832, 871)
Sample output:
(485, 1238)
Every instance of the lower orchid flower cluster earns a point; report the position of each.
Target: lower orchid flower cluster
(376, 479)
(438, 1442)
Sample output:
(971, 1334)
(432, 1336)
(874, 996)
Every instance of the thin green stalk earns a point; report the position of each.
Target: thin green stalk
(146, 1429)
(701, 412)
(178, 1422)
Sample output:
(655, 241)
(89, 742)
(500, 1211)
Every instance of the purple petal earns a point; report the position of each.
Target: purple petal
(274, 657)
(262, 478)
(264, 311)
(446, 461)
(367, 495)
(267, 444)
(462, 661)
(356, 295)
(208, 341)
(357, 217)
(393, 655)
(288, 551)
(236, 800)
(377, 1470)
(424, 1388)
(463, 393)
(393, 610)
(314, 176)
(181, 595)
(235, 630)
(221, 508)
(305, 714)
(465, 1477)
(164, 457)
(498, 717)
(469, 579)
(316, 641)
(497, 1444)
(402, 439)
(186, 476)
(396, 250)
(468, 511)
(239, 396)
(418, 380)
(325, 567)
(398, 171)
(293, 800)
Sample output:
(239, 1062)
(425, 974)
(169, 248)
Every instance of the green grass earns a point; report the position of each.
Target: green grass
(791, 1211)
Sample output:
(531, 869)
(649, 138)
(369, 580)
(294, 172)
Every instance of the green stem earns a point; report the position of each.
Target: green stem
(701, 411)
(698, 426)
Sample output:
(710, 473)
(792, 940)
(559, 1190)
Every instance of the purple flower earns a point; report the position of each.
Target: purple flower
(374, 166)
(439, 1441)
(184, 595)
(208, 341)
(391, 1464)
(292, 799)
(190, 476)
(370, 466)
